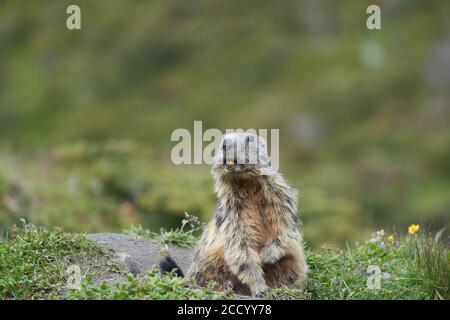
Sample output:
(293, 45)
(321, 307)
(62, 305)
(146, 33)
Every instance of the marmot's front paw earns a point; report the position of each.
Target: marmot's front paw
(270, 254)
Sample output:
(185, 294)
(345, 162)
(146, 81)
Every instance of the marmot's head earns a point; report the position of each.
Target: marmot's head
(241, 153)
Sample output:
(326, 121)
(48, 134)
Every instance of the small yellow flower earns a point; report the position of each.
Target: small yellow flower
(390, 238)
(412, 229)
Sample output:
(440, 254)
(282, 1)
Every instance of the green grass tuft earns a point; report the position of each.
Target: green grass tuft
(151, 287)
(34, 261)
(431, 258)
(185, 236)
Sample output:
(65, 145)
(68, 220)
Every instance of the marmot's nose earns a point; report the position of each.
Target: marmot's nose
(230, 164)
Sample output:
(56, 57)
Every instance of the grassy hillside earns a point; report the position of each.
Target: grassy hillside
(104, 187)
(86, 116)
(34, 261)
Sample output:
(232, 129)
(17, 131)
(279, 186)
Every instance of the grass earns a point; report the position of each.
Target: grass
(430, 258)
(180, 236)
(151, 287)
(173, 236)
(33, 264)
(412, 267)
(34, 261)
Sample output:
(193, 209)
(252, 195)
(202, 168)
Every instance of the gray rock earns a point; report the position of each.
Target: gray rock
(139, 254)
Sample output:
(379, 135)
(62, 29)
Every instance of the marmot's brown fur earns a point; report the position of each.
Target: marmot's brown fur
(253, 240)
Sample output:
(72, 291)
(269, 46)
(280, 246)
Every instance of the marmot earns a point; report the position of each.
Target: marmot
(253, 240)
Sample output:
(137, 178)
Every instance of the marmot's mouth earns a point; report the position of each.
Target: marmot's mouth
(231, 166)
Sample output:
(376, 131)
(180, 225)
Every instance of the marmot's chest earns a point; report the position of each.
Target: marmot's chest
(258, 215)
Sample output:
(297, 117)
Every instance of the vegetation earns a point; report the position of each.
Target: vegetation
(85, 136)
(34, 261)
(86, 116)
(33, 264)
(178, 236)
(404, 275)
(153, 286)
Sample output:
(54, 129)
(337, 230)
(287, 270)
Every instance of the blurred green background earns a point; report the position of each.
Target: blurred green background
(86, 116)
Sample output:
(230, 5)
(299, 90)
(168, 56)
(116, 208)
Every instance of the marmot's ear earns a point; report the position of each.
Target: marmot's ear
(264, 160)
(262, 143)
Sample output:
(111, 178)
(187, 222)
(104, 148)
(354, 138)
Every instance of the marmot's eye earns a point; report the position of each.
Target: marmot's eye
(224, 147)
